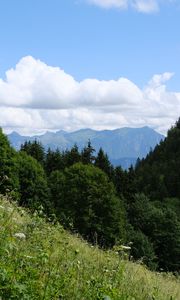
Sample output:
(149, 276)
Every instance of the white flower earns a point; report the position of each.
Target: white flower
(20, 235)
(125, 247)
(27, 256)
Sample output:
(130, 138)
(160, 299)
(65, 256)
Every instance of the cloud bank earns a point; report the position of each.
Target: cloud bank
(35, 97)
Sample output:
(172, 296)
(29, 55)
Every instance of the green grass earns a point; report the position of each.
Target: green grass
(50, 263)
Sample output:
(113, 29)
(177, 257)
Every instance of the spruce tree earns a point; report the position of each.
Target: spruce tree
(102, 162)
(87, 154)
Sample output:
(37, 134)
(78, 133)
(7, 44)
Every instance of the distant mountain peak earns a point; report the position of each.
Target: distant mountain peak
(121, 144)
(14, 133)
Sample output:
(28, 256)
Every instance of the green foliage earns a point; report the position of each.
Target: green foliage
(166, 238)
(173, 204)
(56, 184)
(104, 208)
(33, 183)
(158, 175)
(124, 183)
(87, 155)
(103, 163)
(72, 156)
(161, 226)
(142, 249)
(86, 200)
(41, 261)
(35, 149)
(8, 167)
(53, 161)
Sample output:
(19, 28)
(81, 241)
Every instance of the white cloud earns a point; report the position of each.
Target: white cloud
(109, 3)
(144, 6)
(33, 84)
(35, 97)
(159, 79)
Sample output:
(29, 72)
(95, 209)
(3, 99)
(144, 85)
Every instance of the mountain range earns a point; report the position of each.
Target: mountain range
(123, 146)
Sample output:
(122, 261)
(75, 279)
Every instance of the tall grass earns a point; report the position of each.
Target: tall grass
(39, 260)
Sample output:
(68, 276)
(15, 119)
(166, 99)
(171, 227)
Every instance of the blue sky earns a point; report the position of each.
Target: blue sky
(100, 39)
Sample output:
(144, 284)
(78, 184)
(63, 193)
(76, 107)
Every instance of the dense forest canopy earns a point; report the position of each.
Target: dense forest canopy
(105, 204)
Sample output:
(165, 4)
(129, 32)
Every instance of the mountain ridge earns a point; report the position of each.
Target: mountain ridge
(122, 145)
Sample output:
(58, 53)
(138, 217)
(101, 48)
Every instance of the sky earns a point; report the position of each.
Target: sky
(101, 64)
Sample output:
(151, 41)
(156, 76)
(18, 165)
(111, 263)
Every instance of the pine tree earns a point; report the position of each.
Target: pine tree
(72, 156)
(102, 162)
(54, 160)
(87, 154)
(35, 149)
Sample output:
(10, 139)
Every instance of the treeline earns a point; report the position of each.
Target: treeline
(106, 205)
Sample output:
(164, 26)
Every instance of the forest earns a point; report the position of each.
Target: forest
(106, 205)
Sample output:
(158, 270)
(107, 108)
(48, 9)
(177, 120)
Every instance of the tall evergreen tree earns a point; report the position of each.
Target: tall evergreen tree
(72, 156)
(35, 149)
(158, 175)
(102, 162)
(54, 160)
(87, 154)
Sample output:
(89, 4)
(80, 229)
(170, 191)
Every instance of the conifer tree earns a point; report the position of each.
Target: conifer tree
(87, 154)
(72, 156)
(35, 149)
(102, 162)
(54, 160)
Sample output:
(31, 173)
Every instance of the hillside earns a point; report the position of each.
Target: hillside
(39, 260)
(158, 175)
(105, 205)
(123, 146)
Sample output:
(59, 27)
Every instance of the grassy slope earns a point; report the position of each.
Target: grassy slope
(52, 264)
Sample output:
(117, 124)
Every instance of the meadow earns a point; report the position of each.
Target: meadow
(40, 260)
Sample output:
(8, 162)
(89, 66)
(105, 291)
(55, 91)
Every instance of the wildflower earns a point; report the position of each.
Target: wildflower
(125, 247)
(120, 248)
(27, 256)
(20, 235)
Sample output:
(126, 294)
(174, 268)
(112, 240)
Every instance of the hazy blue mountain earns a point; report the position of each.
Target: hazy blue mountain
(123, 145)
(124, 162)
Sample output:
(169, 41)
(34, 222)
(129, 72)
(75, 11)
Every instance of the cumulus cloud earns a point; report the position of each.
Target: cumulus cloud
(33, 84)
(35, 97)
